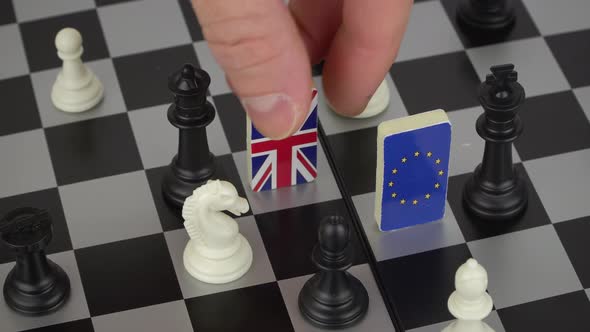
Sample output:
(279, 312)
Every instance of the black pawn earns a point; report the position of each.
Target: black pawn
(333, 298)
(496, 190)
(35, 285)
(485, 15)
(191, 113)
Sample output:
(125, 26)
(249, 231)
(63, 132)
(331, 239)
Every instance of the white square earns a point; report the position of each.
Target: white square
(109, 209)
(12, 53)
(538, 71)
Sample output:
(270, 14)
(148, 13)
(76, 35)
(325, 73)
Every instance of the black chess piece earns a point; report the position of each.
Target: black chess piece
(191, 113)
(333, 298)
(486, 15)
(496, 190)
(35, 285)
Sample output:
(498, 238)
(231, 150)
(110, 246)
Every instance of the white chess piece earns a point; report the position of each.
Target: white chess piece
(470, 303)
(216, 253)
(378, 102)
(76, 88)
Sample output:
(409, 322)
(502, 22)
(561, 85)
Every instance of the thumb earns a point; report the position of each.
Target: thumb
(257, 44)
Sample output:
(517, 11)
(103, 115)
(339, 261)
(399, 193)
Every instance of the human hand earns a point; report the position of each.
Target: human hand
(266, 47)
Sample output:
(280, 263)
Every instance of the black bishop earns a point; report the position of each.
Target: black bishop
(191, 113)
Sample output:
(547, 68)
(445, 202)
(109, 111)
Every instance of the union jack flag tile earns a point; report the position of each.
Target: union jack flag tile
(274, 164)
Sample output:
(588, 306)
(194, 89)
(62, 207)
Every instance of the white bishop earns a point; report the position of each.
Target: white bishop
(216, 253)
(76, 88)
(470, 303)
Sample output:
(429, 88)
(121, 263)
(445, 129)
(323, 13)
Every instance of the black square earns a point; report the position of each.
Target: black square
(445, 81)
(39, 38)
(19, 108)
(574, 235)
(110, 2)
(289, 237)
(45, 199)
(568, 312)
(170, 217)
(7, 12)
(419, 285)
(127, 274)
(524, 27)
(258, 308)
(572, 51)
(233, 119)
(354, 161)
(144, 77)
(92, 149)
(192, 22)
(553, 124)
(475, 229)
(82, 325)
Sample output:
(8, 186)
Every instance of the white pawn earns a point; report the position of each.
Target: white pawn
(76, 88)
(470, 303)
(378, 102)
(216, 253)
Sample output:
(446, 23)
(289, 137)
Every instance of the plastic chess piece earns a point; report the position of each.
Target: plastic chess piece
(486, 15)
(76, 88)
(333, 298)
(216, 252)
(496, 190)
(35, 285)
(470, 303)
(378, 102)
(191, 113)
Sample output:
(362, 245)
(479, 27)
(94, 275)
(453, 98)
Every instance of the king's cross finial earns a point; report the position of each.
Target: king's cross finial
(500, 78)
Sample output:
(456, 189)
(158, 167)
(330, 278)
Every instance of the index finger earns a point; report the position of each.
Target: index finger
(362, 51)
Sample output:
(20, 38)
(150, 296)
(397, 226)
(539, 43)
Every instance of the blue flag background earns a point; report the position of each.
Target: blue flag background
(415, 176)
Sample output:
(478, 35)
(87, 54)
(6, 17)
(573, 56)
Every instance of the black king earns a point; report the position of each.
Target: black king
(496, 190)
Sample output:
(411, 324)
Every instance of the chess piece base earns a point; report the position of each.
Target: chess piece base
(378, 102)
(469, 311)
(29, 301)
(492, 204)
(219, 270)
(501, 19)
(179, 184)
(338, 314)
(468, 326)
(79, 99)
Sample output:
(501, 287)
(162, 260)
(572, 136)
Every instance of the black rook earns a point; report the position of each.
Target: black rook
(496, 190)
(35, 285)
(191, 113)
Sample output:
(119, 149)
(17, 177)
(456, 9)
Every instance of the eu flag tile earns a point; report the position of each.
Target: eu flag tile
(412, 170)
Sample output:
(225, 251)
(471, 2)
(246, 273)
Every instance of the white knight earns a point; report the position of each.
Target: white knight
(216, 252)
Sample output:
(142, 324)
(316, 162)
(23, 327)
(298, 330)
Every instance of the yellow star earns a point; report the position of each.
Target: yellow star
(394, 195)
(416, 154)
(441, 172)
(437, 161)
(427, 196)
(415, 202)
(436, 185)
(394, 171)
(391, 183)
(403, 201)
(404, 159)
(429, 154)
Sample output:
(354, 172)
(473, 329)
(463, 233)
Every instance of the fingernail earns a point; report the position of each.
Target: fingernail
(273, 114)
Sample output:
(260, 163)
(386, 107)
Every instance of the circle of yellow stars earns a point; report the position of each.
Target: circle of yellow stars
(427, 196)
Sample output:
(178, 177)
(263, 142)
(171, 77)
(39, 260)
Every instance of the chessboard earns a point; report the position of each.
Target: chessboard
(539, 275)
(99, 175)
(124, 256)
